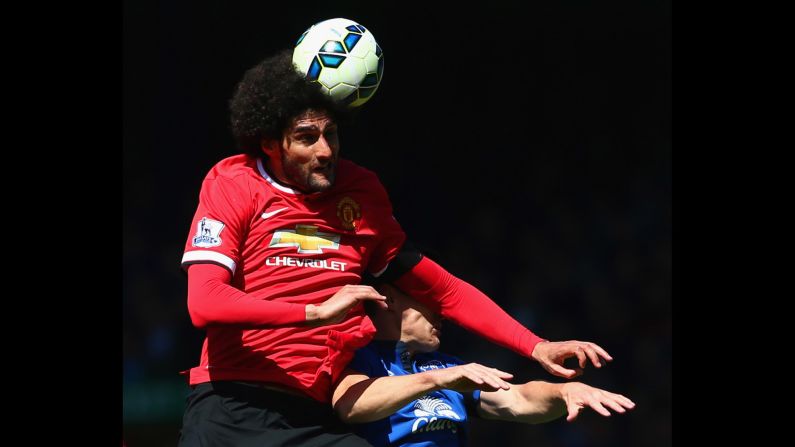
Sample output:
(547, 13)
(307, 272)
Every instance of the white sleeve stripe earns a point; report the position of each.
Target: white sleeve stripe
(380, 272)
(192, 257)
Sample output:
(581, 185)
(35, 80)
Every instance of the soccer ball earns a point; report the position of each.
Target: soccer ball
(343, 58)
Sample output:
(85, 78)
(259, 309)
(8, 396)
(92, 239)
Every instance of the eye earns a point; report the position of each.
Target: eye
(306, 138)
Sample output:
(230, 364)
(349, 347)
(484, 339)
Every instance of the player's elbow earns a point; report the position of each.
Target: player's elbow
(356, 417)
(351, 413)
(202, 309)
(346, 413)
(198, 320)
(200, 314)
(347, 417)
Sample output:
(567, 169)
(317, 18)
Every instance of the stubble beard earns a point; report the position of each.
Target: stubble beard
(308, 180)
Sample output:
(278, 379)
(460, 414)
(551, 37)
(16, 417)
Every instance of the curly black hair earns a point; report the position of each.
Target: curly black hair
(269, 96)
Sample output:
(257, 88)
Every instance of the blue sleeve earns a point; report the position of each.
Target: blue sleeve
(366, 361)
(472, 402)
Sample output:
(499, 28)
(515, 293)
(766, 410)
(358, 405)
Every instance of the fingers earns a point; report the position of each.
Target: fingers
(573, 410)
(560, 371)
(582, 358)
(490, 377)
(598, 407)
(485, 378)
(362, 293)
(380, 299)
(601, 352)
(623, 401)
(501, 377)
(335, 308)
(586, 350)
(582, 395)
(613, 404)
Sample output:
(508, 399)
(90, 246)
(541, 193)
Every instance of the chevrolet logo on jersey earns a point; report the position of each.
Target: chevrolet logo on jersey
(306, 238)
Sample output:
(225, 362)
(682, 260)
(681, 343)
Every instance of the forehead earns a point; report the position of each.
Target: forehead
(312, 119)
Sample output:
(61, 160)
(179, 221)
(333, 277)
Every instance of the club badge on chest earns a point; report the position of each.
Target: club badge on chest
(349, 213)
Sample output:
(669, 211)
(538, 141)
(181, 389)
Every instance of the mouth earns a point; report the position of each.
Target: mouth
(326, 169)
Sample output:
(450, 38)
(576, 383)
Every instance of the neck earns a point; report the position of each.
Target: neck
(275, 173)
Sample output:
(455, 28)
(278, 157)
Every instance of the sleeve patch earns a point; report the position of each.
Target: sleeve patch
(208, 233)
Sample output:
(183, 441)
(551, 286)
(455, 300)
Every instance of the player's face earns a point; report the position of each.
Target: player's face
(420, 327)
(310, 148)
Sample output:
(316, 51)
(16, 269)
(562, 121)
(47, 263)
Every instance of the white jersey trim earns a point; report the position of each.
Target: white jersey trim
(197, 256)
(273, 181)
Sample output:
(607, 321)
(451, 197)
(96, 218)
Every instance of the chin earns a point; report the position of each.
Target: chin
(318, 185)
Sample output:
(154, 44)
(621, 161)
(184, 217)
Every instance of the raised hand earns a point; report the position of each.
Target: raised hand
(334, 309)
(552, 354)
(470, 377)
(579, 395)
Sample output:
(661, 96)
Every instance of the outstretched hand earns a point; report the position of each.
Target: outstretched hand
(579, 395)
(470, 377)
(552, 354)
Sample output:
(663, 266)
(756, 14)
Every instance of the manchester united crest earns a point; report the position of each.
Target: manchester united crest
(349, 213)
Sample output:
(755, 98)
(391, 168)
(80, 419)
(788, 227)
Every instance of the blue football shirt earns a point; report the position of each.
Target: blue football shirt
(437, 419)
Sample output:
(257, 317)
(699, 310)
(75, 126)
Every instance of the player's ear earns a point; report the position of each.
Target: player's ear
(269, 147)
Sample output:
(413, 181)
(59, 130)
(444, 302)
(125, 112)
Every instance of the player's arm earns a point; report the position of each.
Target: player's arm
(459, 301)
(537, 402)
(212, 300)
(358, 398)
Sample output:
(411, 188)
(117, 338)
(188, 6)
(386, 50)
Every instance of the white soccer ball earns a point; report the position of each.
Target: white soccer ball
(343, 57)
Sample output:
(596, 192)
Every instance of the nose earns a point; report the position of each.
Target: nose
(323, 150)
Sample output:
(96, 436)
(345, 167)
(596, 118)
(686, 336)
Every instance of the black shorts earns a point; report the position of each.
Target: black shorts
(238, 414)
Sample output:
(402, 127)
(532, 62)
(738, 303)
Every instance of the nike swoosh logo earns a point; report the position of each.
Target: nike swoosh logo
(267, 215)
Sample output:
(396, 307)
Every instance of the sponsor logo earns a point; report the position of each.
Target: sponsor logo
(306, 239)
(430, 365)
(287, 261)
(428, 410)
(349, 213)
(272, 213)
(208, 233)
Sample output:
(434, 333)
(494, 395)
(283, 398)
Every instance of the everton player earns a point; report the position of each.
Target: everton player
(400, 391)
(281, 237)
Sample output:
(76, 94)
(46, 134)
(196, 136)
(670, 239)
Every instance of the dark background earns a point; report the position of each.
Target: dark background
(527, 147)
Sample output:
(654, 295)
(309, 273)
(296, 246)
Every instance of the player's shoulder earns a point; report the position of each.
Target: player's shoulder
(369, 360)
(367, 351)
(352, 174)
(234, 168)
(360, 183)
(373, 351)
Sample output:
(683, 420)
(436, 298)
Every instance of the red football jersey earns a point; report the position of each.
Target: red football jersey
(283, 245)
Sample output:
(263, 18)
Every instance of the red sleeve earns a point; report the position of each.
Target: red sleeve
(212, 300)
(219, 223)
(465, 305)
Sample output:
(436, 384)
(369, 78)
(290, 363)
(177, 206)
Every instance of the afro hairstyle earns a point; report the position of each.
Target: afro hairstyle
(270, 95)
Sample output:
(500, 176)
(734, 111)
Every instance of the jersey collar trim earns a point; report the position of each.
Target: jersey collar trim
(273, 181)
